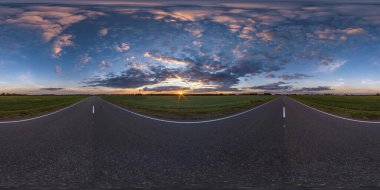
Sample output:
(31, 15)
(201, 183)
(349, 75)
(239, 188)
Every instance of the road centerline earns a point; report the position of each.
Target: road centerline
(93, 109)
(283, 112)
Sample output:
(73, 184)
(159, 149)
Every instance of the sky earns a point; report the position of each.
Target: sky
(105, 46)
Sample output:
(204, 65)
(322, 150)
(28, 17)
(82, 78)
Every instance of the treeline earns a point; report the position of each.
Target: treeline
(219, 94)
(329, 94)
(15, 94)
(244, 94)
(11, 94)
(190, 94)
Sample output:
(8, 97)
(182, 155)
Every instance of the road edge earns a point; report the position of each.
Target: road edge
(188, 122)
(42, 116)
(333, 115)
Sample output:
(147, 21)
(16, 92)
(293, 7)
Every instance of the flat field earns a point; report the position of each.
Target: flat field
(188, 107)
(25, 106)
(359, 107)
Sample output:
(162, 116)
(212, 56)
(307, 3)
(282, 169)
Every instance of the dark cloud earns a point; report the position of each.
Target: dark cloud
(270, 76)
(165, 88)
(294, 76)
(273, 86)
(280, 86)
(132, 78)
(52, 89)
(226, 74)
(313, 89)
(217, 89)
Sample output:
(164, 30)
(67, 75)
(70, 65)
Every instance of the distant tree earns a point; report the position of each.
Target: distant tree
(378, 94)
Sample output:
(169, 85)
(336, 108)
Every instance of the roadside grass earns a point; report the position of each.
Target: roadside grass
(188, 107)
(12, 107)
(358, 107)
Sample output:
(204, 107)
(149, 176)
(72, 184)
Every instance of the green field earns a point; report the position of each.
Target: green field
(188, 107)
(359, 107)
(25, 106)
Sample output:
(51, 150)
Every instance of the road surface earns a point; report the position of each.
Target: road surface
(283, 143)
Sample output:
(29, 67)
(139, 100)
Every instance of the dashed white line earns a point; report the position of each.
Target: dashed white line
(93, 109)
(283, 112)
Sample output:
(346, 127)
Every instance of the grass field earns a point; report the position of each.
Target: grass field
(359, 107)
(25, 106)
(188, 107)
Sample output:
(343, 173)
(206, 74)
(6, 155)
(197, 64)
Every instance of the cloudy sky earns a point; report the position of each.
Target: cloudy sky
(195, 46)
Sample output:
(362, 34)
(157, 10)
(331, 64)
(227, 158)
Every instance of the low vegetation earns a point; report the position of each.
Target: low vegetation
(188, 107)
(359, 107)
(12, 107)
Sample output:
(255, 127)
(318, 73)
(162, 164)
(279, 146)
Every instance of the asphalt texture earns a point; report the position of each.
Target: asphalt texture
(261, 149)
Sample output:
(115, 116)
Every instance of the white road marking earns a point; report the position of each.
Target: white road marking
(190, 122)
(360, 121)
(93, 109)
(4, 122)
(283, 112)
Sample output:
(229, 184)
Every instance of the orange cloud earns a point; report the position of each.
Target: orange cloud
(354, 31)
(62, 41)
(265, 35)
(335, 34)
(165, 59)
(52, 21)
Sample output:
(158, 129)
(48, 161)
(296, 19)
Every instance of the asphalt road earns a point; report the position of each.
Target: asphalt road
(282, 144)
